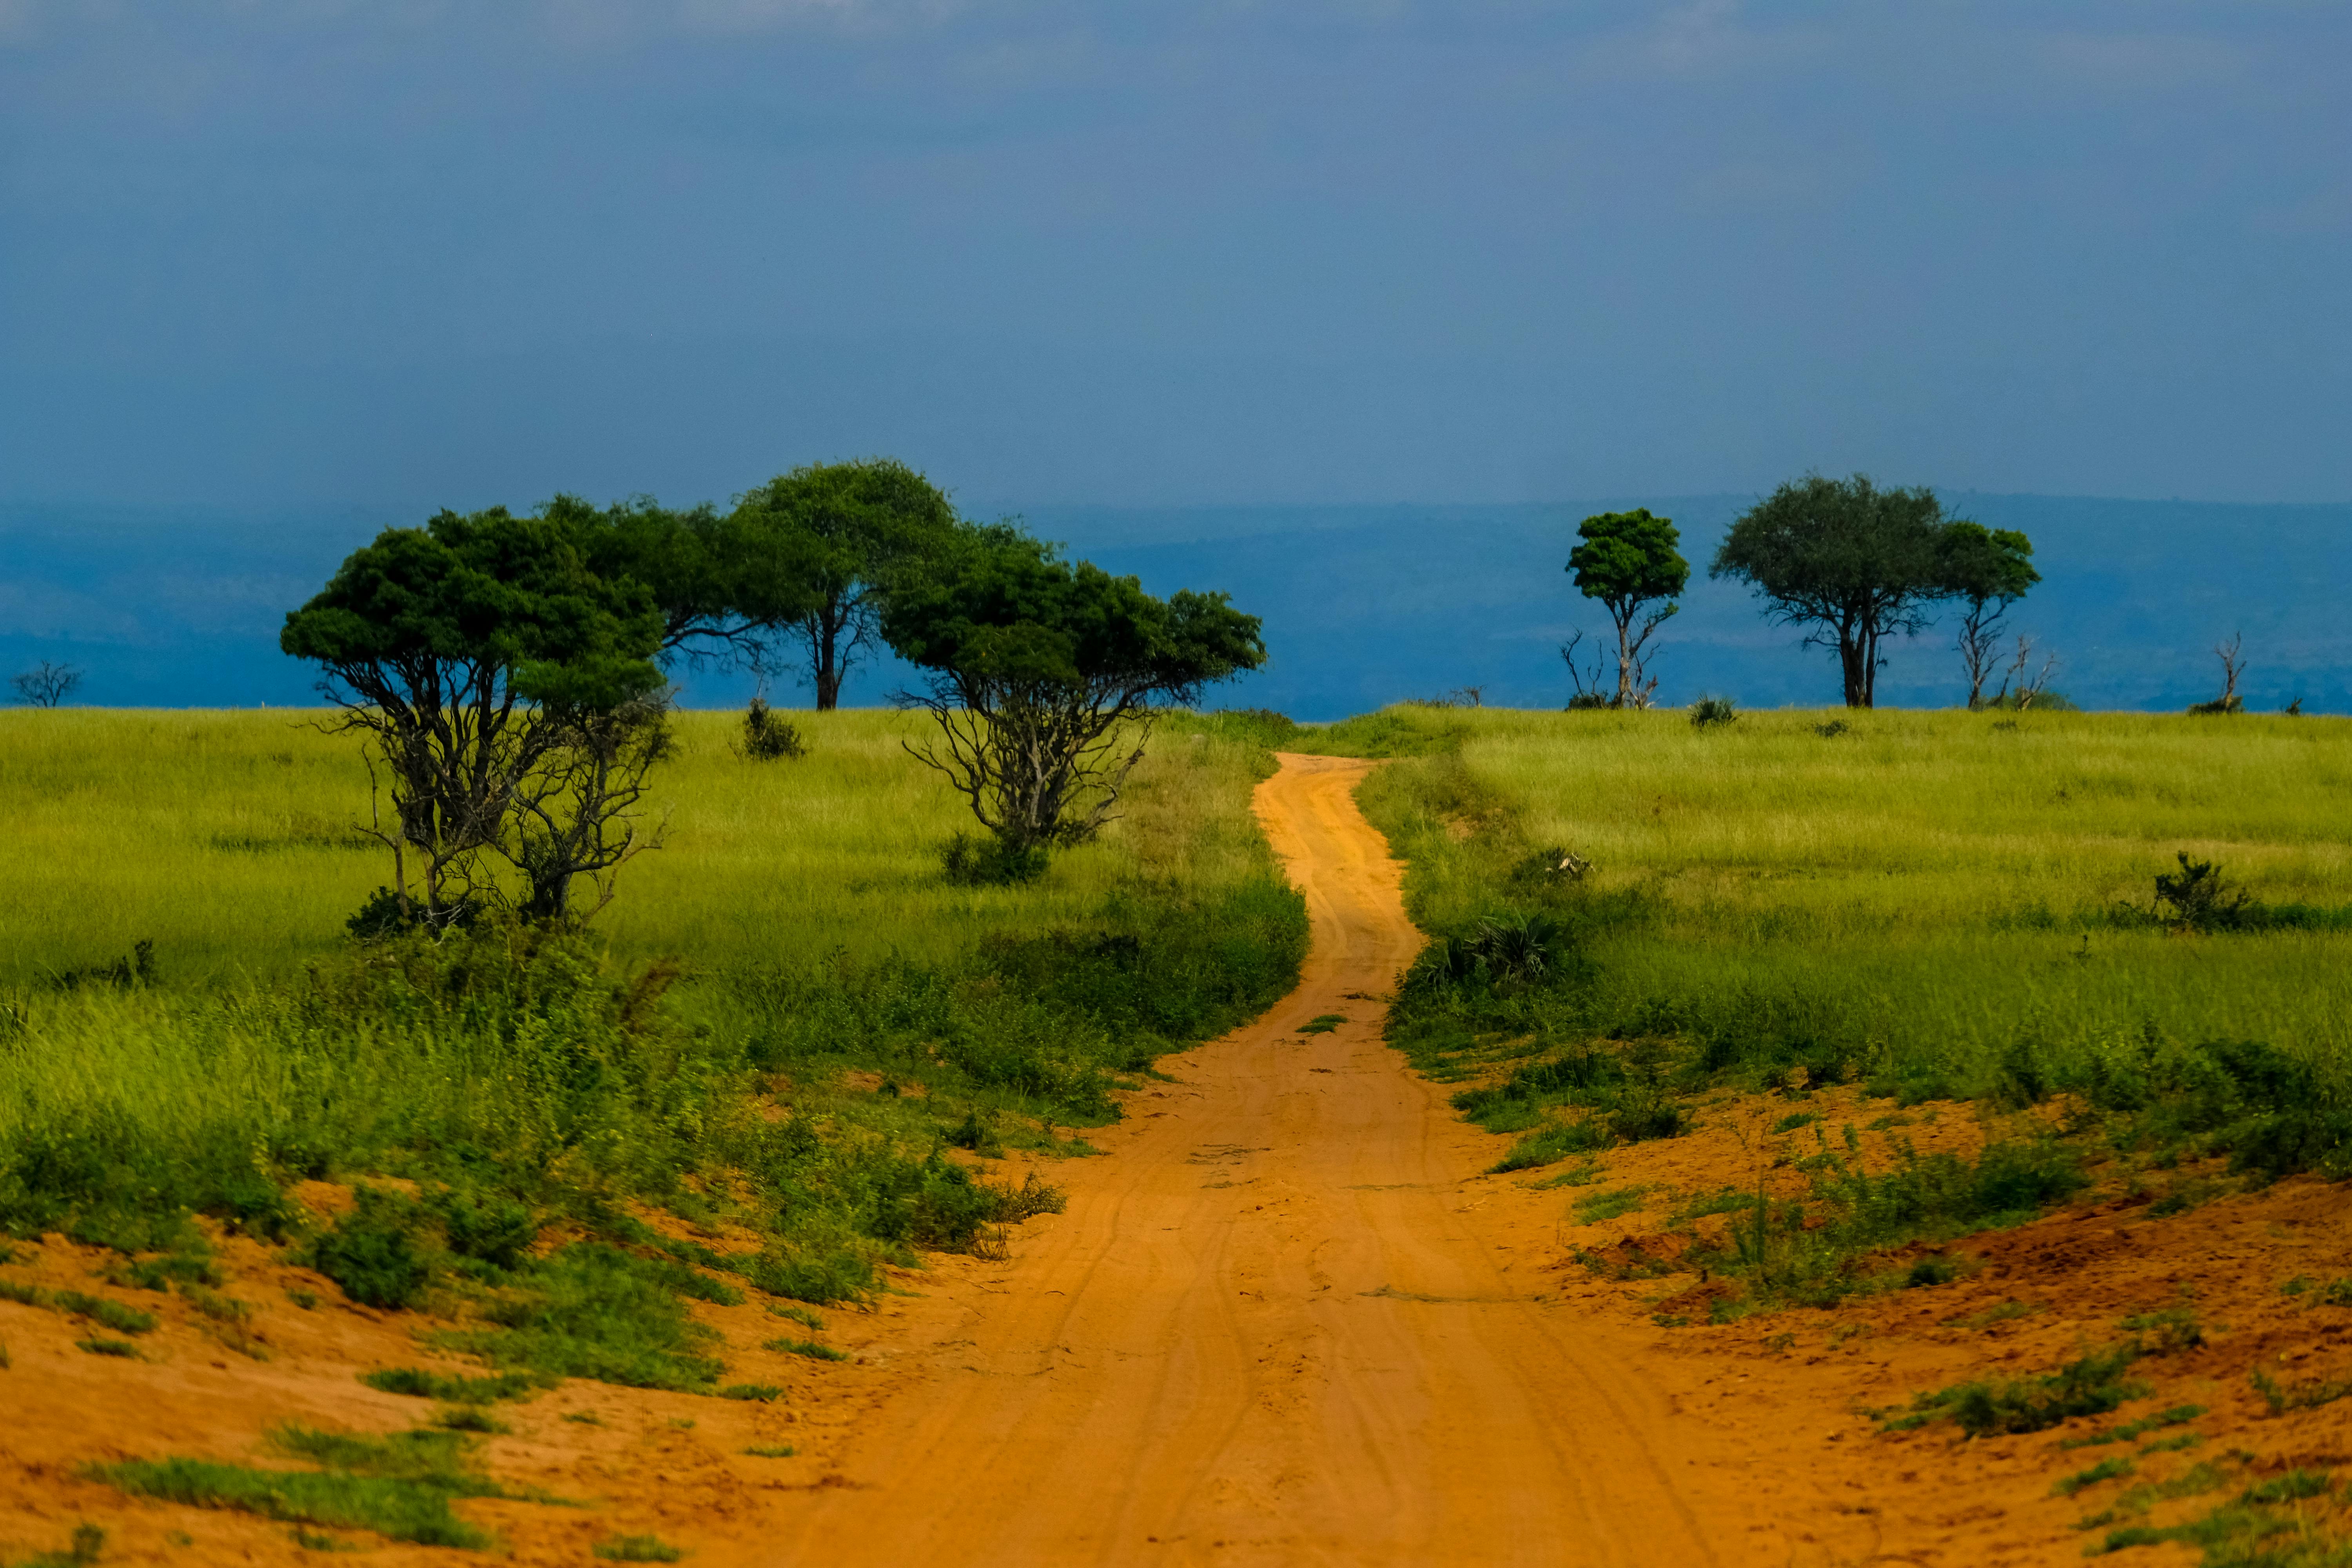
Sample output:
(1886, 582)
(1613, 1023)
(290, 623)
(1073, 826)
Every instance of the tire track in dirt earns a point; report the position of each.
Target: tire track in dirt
(1264, 1332)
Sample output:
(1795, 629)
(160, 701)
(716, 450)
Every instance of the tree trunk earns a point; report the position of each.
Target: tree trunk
(1854, 660)
(1624, 663)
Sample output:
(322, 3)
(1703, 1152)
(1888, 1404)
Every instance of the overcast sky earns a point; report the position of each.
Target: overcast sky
(1168, 252)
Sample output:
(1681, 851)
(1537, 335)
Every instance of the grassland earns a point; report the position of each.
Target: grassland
(1934, 905)
(232, 841)
(778, 1029)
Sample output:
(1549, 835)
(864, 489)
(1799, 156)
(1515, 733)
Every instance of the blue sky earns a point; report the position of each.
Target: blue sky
(407, 252)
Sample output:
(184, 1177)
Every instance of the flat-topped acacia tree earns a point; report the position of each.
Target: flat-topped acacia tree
(476, 655)
(1844, 558)
(1043, 676)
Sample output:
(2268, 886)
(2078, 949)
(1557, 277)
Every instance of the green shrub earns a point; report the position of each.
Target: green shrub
(2091, 1386)
(636, 1549)
(371, 1253)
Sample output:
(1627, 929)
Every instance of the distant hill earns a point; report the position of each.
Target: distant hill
(179, 607)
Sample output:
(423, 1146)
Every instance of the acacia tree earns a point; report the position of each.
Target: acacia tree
(725, 585)
(1044, 674)
(1849, 561)
(465, 653)
(1987, 570)
(1629, 561)
(844, 532)
(46, 685)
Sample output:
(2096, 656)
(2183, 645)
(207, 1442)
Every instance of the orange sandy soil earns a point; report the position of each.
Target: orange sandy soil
(1286, 1320)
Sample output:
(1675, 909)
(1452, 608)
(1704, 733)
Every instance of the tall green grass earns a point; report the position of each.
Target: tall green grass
(781, 1022)
(1931, 888)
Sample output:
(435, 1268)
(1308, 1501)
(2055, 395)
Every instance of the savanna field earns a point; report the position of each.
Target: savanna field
(1791, 1020)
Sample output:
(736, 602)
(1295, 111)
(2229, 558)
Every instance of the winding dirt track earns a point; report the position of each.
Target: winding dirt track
(1264, 1332)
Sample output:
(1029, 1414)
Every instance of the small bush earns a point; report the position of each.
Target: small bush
(2090, 1386)
(636, 1549)
(808, 1348)
(2105, 1471)
(418, 1383)
(1710, 712)
(971, 861)
(767, 738)
(123, 1348)
(754, 1393)
(372, 1253)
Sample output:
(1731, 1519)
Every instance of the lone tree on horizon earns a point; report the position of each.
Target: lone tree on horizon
(1629, 561)
(46, 684)
(1848, 560)
(1987, 569)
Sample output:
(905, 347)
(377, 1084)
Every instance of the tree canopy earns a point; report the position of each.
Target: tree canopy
(1845, 558)
(722, 586)
(1987, 569)
(840, 534)
(1035, 662)
(469, 651)
(1628, 560)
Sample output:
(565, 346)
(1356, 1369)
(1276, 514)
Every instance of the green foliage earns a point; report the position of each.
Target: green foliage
(396, 1508)
(636, 1549)
(2308, 1395)
(2081, 1480)
(2092, 1385)
(752, 1393)
(971, 861)
(808, 1348)
(1038, 669)
(836, 539)
(89, 1541)
(593, 1310)
(123, 1348)
(1713, 713)
(371, 1253)
(1850, 561)
(767, 738)
(1626, 559)
(450, 1389)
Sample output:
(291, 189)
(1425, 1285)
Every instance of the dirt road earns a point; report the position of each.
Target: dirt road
(1263, 1332)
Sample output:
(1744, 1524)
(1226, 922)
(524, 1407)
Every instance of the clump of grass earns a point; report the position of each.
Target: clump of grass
(809, 1348)
(416, 1382)
(123, 1348)
(1794, 1119)
(1609, 1204)
(306, 1299)
(797, 1315)
(2167, 1330)
(784, 1452)
(593, 1310)
(2194, 1481)
(1323, 1024)
(89, 1541)
(2174, 1416)
(469, 1418)
(754, 1393)
(2092, 1385)
(98, 1310)
(2251, 1532)
(636, 1549)
(2307, 1395)
(2105, 1471)
(399, 1487)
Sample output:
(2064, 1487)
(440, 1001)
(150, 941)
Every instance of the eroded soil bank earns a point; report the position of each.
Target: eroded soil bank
(1286, 1320)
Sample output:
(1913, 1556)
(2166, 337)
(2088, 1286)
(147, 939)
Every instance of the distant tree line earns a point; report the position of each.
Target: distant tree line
(1851, 563)
(510, 676)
